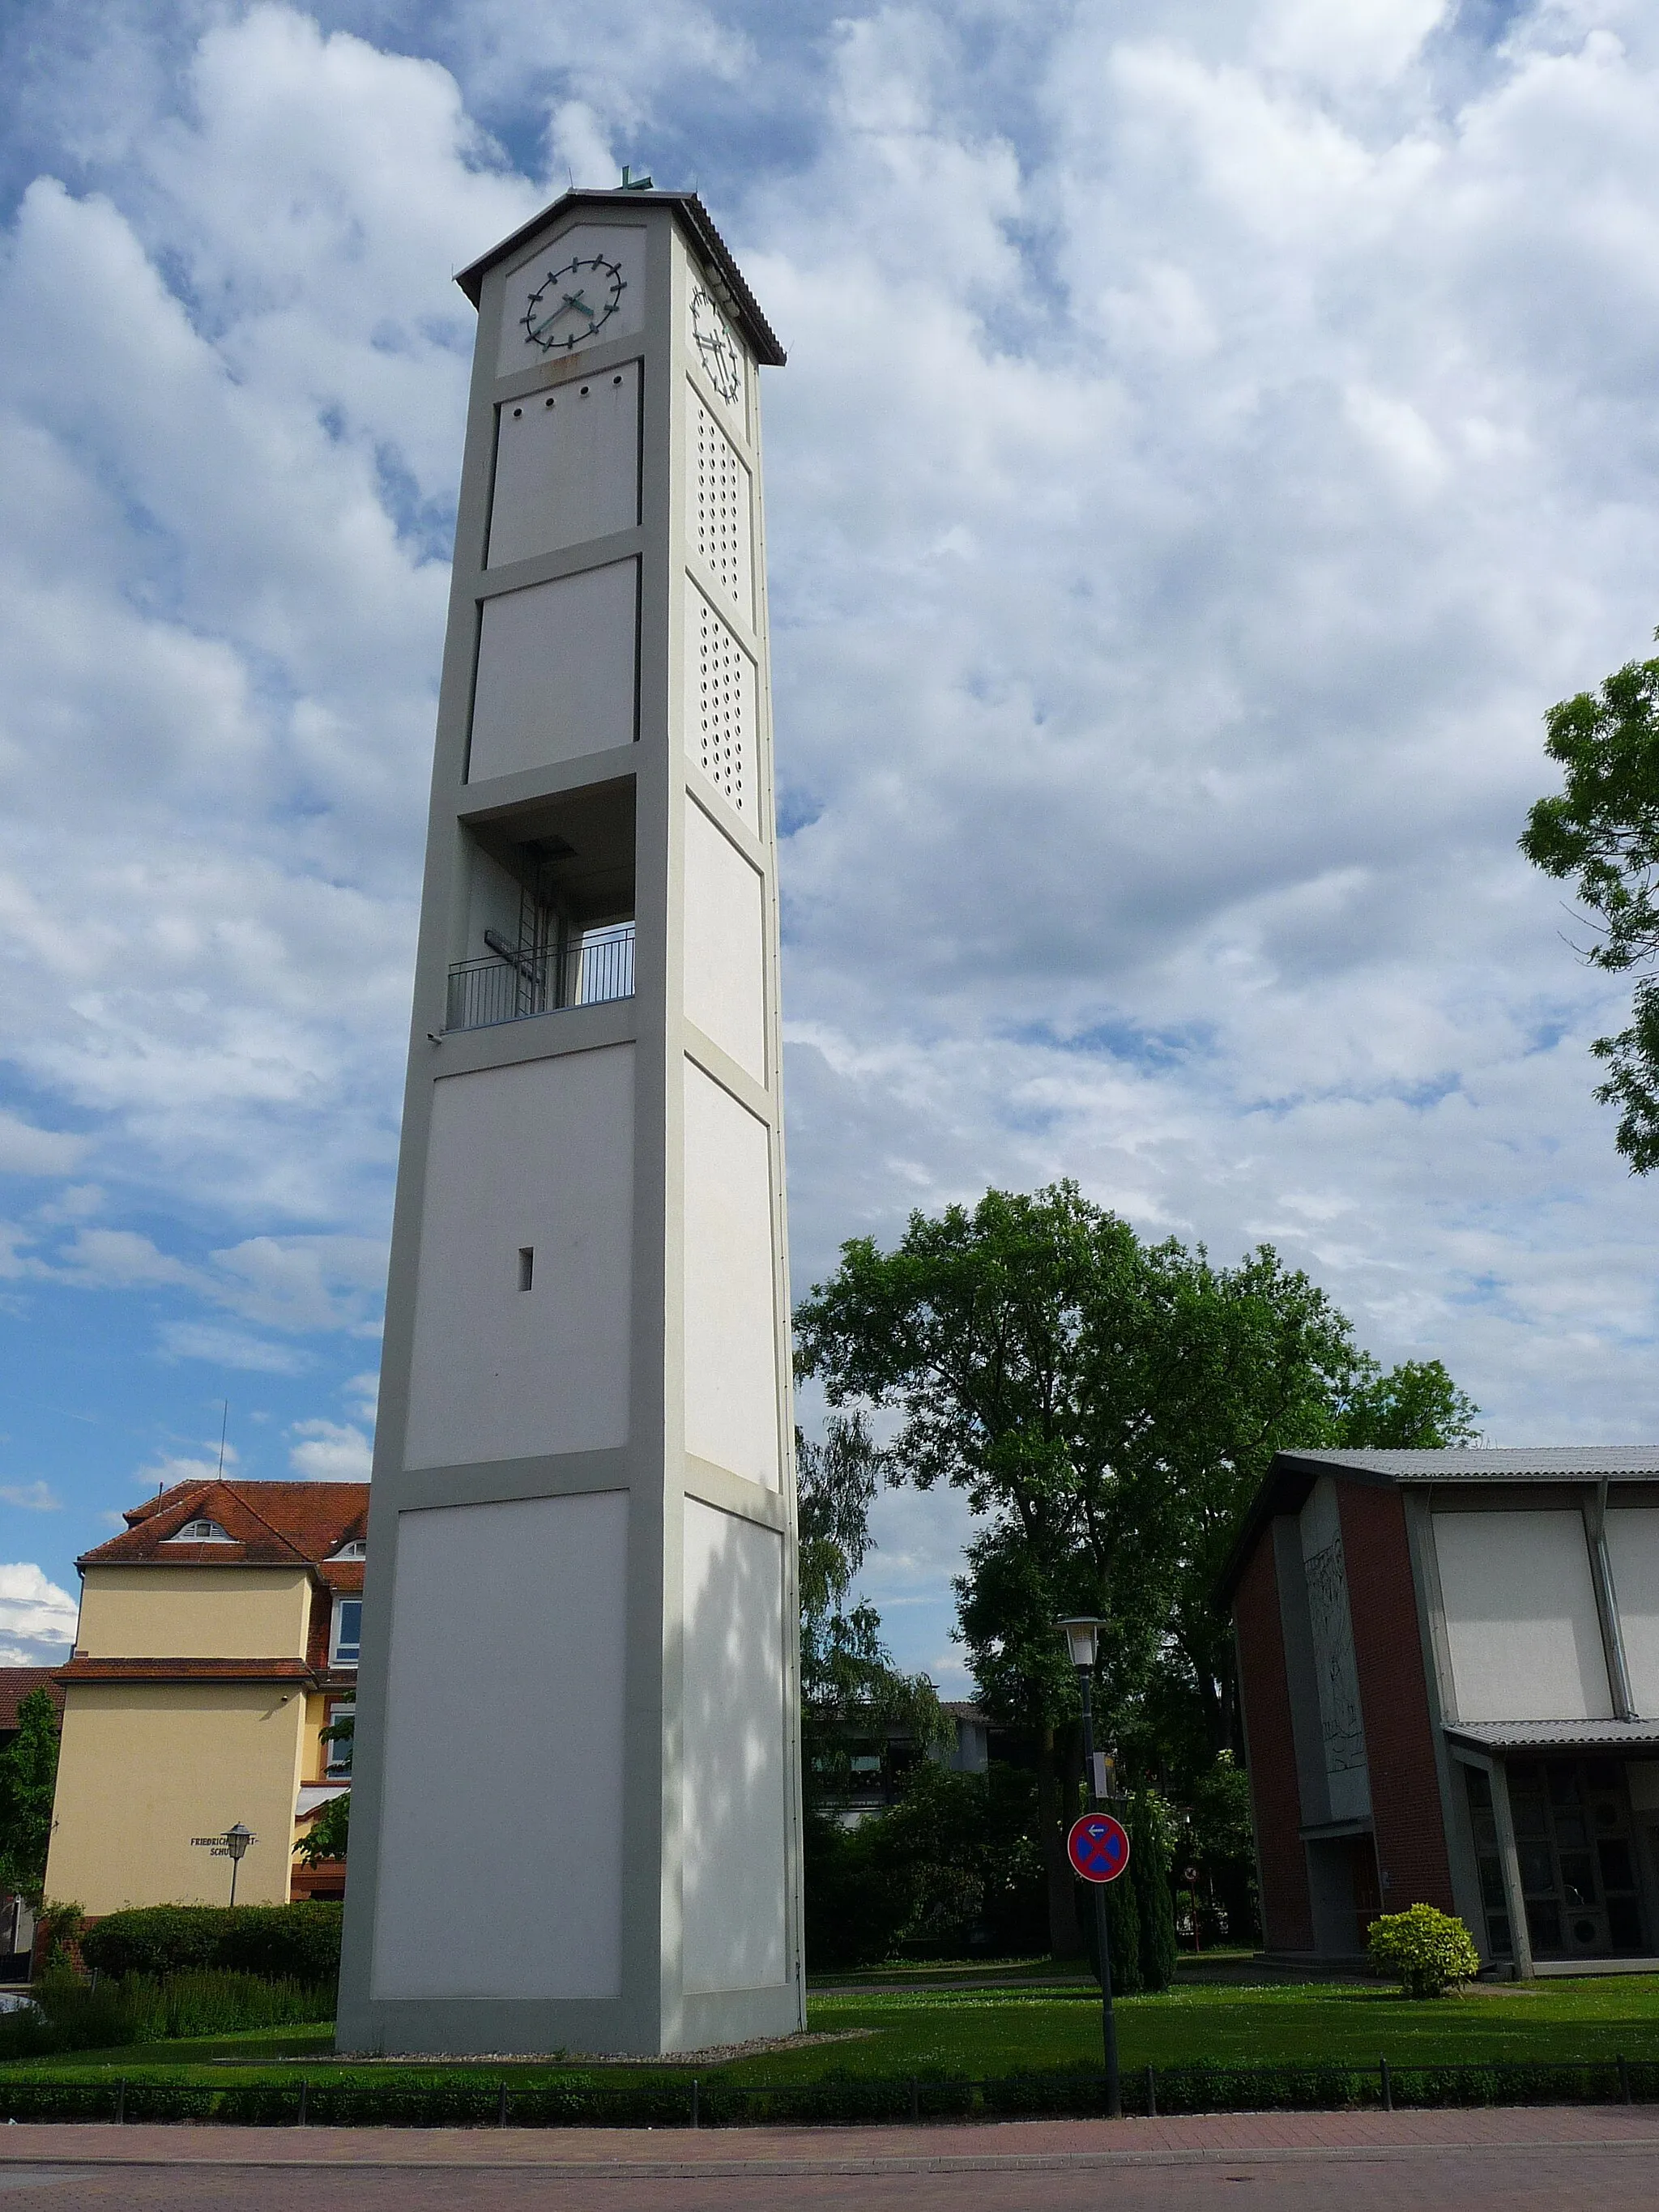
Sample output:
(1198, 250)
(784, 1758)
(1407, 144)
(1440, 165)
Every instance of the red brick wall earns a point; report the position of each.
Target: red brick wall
(1287, 1913)
(1394, 1698)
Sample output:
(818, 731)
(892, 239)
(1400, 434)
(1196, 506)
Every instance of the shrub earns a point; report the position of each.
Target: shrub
(65, 2014)
(1426, 1951)
(277, 1943)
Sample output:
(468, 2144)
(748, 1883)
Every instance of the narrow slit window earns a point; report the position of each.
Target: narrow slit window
(527, 1265)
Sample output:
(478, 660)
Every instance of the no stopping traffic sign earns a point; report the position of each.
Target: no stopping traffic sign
(1098, 1847)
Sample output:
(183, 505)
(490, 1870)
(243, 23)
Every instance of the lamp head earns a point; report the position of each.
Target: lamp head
(237, 1840)
(1082, 1634)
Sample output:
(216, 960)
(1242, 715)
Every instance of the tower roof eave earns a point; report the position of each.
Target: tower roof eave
(698, 224)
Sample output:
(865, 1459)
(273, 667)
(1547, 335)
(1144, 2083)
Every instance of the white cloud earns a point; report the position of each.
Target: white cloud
(1210, 441)
(30, 1496)
(331, 1451)
(201, 1466)
(222, 1346)
(27, 1149)
(37, 1614)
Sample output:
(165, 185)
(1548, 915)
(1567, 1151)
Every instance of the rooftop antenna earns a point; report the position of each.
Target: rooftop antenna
(223, 1426)
(630, 183)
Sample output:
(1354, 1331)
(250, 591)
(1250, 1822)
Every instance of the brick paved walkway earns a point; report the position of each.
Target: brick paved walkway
(1366, 2161)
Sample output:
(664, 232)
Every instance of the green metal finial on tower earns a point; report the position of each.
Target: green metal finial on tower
(630, 183)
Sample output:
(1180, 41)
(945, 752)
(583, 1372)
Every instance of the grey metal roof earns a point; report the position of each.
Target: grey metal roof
(1556, 1735)
(725, 276)
(1494, 1463)
(1293, 1474)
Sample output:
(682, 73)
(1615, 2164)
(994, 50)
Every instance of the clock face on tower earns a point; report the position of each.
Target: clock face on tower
(573, 304)
(716, 347)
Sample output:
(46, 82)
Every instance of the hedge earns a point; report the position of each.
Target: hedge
(278, 1942)
(343, 2099)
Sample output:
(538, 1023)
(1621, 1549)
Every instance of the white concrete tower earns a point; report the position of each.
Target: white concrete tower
(576, 1806)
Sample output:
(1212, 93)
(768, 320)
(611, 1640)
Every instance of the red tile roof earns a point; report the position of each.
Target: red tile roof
(269, 1525)
(17, 1682)
(184, 1670)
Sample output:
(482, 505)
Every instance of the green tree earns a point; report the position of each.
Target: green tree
(972, 1328)
(1107, 1409)
(852, 1694)
(28, 1776)
(1602, 828)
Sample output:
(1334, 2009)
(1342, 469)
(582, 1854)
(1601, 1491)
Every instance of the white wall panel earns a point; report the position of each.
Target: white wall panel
(557, 670)
(1633, 1554)
(720, 707)
(724, 942)
(567, 465)
(540, 1155)
(623, 246)
(500, 1833)
(735, 1821)
(1521, 1618)
(717, 507)
(731, 1343)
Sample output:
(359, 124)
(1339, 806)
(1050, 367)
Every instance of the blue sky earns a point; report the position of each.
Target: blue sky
(1211, 439)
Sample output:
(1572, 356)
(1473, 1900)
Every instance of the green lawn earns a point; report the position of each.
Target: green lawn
(987, 2032)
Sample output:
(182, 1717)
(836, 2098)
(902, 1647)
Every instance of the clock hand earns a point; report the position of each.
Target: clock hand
(570, 299)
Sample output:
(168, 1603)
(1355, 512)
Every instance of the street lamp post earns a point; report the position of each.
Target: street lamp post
(237, 1840)
(1082, 1635)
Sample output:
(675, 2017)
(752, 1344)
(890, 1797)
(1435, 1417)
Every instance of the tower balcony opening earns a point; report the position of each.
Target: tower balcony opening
(549, 917)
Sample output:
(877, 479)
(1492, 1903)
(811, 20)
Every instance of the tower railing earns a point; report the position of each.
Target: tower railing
(514, 983)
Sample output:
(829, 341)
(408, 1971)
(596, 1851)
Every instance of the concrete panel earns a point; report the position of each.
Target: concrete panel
(1633, 1554)
(731, 1345)
(557, 671)
(1521, 1618)
(567, 466)
(717, 507)
(1342, 1731)
(500, 1833)
(535, 1157)
(720, 707)
(725, 944)
(623, 247)
(736, 1813)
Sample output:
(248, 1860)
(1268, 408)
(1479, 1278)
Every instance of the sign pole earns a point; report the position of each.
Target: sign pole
(1103, 1942)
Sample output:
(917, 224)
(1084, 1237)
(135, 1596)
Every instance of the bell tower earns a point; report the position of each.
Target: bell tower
(576, 1809)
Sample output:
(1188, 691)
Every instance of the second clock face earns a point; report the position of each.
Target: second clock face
(572, 304)
(717, 349)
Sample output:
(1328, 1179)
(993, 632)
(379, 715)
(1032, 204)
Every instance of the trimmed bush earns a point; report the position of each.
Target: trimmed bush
(277, 1943)
(1427, 1952)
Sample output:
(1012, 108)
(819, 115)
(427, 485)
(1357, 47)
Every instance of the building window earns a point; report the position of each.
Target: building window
(348, 1630)
(200, 1532)
(336, 1760)
(1573, 1844)
(355, 1549)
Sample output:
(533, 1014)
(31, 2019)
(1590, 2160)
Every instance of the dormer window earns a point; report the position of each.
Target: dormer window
(355, 1549)
(200, 1532)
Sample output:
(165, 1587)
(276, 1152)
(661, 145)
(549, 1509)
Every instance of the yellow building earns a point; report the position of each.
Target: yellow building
(217, 1638)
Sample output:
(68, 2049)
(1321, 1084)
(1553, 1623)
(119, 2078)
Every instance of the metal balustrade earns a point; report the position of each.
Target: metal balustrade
(513, 984)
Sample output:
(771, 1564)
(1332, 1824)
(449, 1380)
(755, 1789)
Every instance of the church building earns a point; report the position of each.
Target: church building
(1448, 1664)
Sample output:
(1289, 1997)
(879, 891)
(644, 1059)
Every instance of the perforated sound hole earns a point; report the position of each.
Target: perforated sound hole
(720, 503)
(723, 709)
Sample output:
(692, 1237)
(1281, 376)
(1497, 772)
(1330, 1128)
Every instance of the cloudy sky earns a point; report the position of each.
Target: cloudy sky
(1211, 437)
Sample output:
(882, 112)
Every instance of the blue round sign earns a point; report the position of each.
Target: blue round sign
(1098, 1847)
